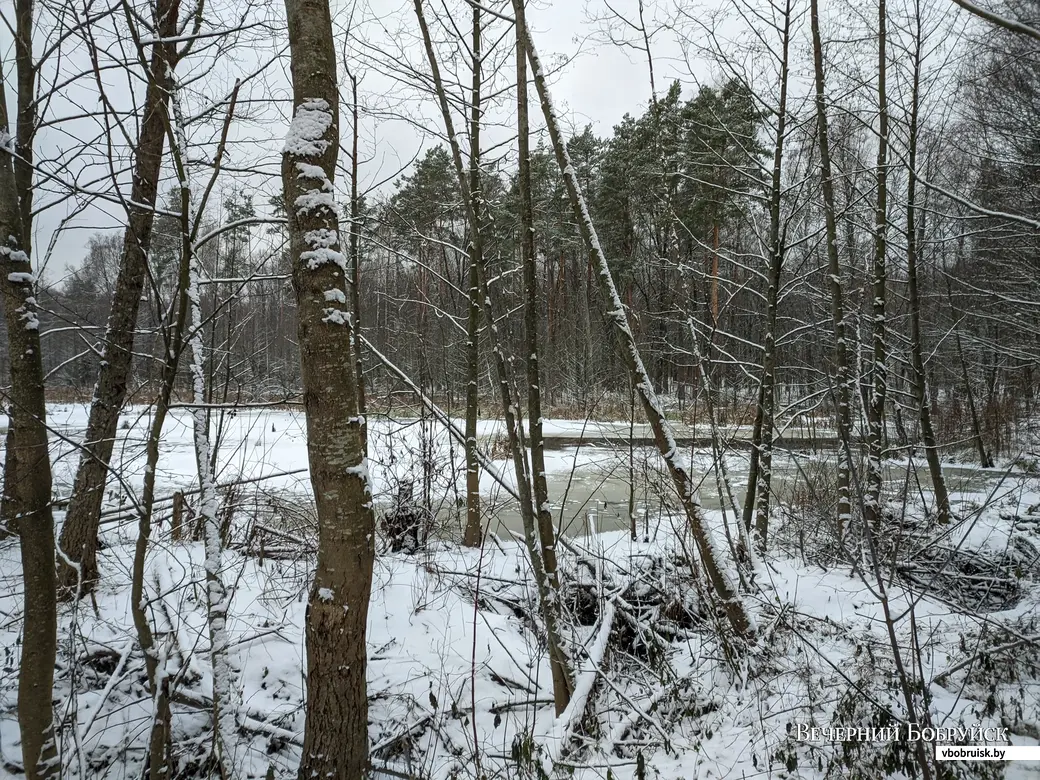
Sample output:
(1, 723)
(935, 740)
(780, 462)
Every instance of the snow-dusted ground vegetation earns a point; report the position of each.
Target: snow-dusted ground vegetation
(459, 684)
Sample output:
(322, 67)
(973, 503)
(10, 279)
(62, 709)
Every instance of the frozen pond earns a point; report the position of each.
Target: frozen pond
(590, 485)
(594, 494)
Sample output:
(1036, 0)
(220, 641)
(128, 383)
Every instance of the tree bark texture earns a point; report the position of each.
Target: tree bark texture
(336, 735)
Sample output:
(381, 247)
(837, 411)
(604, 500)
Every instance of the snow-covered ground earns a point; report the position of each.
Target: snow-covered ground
(457, 664)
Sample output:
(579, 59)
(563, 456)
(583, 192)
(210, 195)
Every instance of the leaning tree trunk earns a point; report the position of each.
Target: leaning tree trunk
(841, 376)
(728, 596)
(546, 531)
(27, 483)
(336, 737)
(77, 570)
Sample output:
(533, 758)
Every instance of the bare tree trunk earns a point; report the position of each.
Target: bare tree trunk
(743, 550)
(633, 531)
(27, 467)
(546, 531)
(739, 618)
(985, 459)
(776, 263)
(205, 455)
(548, 600)
(155, 662)
(474, 532)
(77, 566)
(754, 460)
(336, 736)
(920, 385)
(841, 375)
(22, 190)
(715, 274)
(355, 262)
(879, 368)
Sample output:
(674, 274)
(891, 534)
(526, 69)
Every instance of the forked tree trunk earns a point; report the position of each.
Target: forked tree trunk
(335, 741)
(546, 531)
(548, 598)
(27, 483)
(841, 376)
(79, 534)
(728, 596)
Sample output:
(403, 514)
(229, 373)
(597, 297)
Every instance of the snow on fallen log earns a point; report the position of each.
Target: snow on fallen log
(561, 726)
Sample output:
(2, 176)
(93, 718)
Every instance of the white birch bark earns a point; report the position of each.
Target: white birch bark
(216, 592)
(711, 554)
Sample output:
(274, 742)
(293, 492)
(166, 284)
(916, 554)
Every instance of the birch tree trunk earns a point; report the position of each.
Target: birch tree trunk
(776, 263)
(711, 556)
(355, 262)
(879, 368)
(336, 736)
(205, 454)
(77, 567)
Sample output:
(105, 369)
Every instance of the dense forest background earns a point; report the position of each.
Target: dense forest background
(679, 191)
